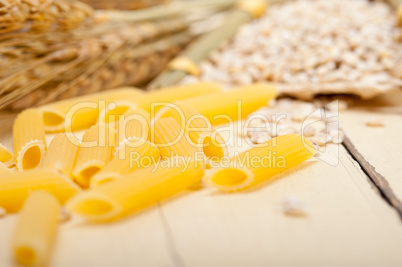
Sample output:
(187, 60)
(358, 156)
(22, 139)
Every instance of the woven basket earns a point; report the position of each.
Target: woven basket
(44, 64)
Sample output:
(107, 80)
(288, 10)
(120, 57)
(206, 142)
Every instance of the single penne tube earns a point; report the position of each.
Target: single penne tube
(171, 139)
(29, 139)
(82, 112)
(135, 123)
(15, 187)
(36, 229)
(131, 155)
(62, 153)
(136, 191)
(260, 163)
(153, 101)
(94, 152)
(228, 106)
(111, 112)
(198, 128)
(6, 156)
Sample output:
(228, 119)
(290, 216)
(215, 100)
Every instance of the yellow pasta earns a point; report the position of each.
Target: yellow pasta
(130, 156)
(153, 101)
(171, 139)
(82, 112)
(236, 104)
(111, 113)
(94, 152)
(6, 156)
(198, 128)
(256, 8)
(261, 163)
(15, 187)
(29, 139)
(134, 124)
(185, 64)
(136, 191)
(4, 169)
(62, 153)
(36, 229)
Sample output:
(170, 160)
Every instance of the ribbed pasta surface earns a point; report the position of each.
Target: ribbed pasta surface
(94, 152)
(198, 128)
(29, 139)
(261, 163)
(134, 124)
(172, 140)
(62, 153)
(132, 154)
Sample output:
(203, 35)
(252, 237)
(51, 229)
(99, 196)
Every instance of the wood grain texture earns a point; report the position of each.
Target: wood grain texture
(378, 147)
(378, 180)
(348, 224)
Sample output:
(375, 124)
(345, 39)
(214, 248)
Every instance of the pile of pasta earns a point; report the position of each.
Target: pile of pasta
(130, 156)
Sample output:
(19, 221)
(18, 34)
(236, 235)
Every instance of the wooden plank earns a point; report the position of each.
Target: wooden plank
(348, 224)
(379, 146)
(141, 239)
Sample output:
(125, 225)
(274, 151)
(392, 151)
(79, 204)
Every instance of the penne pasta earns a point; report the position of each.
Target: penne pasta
(111, 113)
(261, 163)
(136, 191)
(6, 156)
(153, 101)
(82, 112)
(94, 152)
(62, 153)
(130, 156)
(4, 168)
(36, 229)
(233, 105)
(198, 128)
(171, 139)
(15, 187)
(29, 139)
(135, 123)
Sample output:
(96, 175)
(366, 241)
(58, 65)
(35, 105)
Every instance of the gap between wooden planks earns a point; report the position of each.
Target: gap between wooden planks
(378, 149)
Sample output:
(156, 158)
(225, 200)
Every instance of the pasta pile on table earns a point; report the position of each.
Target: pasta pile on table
(136, 150)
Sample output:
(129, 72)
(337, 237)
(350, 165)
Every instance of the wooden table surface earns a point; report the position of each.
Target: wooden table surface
(353, 213)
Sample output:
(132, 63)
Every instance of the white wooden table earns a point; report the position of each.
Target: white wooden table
(351, 221)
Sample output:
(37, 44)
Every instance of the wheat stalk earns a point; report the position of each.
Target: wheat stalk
(124, 67)
(96, 56)
(42, 15)
(124, 4)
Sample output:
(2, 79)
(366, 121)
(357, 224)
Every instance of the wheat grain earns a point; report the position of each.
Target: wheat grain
(354, 51)
(93, 57)
(44, 15)
(124, 4)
